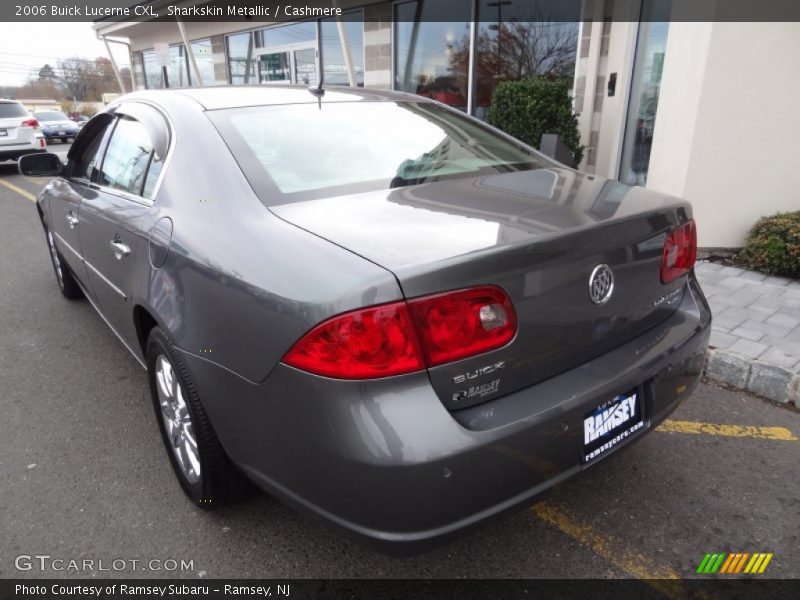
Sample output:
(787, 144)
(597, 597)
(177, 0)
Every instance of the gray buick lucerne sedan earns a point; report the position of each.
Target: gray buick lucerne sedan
(370, 305)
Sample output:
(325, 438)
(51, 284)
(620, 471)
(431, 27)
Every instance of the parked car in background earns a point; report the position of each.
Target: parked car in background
(19, 131)
(81, 120)
(56, 125)
(372, 305)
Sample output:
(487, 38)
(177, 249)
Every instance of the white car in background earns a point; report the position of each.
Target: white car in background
(20, 133)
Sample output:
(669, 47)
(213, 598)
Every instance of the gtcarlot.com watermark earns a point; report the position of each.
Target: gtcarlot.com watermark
(48, 563)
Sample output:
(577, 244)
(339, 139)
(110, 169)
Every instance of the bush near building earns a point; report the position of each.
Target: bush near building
(528, 108)
(773, 245)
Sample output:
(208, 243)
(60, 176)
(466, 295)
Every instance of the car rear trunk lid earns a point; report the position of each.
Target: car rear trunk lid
(539, 235)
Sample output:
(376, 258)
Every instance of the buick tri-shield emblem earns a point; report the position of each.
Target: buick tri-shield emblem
(601, 284)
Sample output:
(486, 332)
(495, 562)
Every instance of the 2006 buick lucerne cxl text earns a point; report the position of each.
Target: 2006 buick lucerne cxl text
(370, 305)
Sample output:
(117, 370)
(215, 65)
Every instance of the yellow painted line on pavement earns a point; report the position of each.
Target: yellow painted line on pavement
(615, 551)
(19, 190)
(780, 434)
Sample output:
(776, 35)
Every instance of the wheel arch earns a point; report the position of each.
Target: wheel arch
(144, 321)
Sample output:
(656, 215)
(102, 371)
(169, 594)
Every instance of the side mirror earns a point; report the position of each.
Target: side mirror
(40, 164)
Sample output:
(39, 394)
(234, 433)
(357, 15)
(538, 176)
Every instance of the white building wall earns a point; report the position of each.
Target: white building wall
(728, 125)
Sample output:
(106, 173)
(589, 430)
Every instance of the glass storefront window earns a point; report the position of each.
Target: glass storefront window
(178, 69)
(514, 41)
(241, 60)
(287, 34)
(204, 59)
(645, 89)
(274, 67)
(333, 62)
(152, 71)
(432, 50)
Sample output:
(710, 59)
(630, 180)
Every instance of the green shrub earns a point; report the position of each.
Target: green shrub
(773, 245)
(528, 108)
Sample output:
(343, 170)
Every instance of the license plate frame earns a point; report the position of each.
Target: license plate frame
(611, 423)
(62, 133)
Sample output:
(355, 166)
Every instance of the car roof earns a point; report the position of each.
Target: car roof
(239, 96)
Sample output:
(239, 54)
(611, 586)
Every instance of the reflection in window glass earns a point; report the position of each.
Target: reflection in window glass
(241, 63)
(333, 62)
(417, 143)
(205, 61)
(156, 163)
(513, 42)
(274, 68)
(432, 50)
(127, 157)
(645, 88)
(178, 69)
(287, 34)
(152, 71)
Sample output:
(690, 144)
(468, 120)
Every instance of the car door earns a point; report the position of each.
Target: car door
(117, 214)
(65, 193)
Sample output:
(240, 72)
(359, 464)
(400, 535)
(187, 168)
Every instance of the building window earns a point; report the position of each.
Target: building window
(334, 65)
(297, 33)
(432, 49)
(645, 89)
(204, 59)
(241, 59)
(513, 41)
(177, 69)
(153, 79)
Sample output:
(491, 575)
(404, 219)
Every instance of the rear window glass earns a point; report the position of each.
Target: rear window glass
(12, 109)
(302, 151)
(51, 115)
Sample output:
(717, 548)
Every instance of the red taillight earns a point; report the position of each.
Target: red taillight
(401, 337)
(30, 123)
(680, 252)
(455, 325)
(371, 342)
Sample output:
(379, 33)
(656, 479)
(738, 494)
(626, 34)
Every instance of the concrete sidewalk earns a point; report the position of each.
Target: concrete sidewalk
(755, 339)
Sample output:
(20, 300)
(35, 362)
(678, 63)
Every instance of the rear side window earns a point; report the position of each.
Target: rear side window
(12, 109)
(128, 158)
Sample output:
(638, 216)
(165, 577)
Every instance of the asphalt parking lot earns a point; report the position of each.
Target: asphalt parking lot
(83, 474)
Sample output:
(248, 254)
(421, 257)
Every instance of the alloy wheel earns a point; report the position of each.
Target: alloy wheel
(177, 419)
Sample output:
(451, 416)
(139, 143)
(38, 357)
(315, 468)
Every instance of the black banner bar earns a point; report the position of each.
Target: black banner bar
(273, 11)
(414, 589)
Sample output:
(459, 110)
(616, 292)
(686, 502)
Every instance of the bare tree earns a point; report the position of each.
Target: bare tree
(513, 50)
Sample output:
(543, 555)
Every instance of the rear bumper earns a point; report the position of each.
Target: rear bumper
(387, 462)
(55, 135)
(14, 152)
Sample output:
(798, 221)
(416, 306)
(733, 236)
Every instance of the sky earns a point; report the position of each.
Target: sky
(25, 47)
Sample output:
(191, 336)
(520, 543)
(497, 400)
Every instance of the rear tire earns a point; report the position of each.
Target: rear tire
(66, 280)
(201, 465)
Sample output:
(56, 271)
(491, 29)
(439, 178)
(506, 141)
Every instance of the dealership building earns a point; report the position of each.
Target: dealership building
(702, 108)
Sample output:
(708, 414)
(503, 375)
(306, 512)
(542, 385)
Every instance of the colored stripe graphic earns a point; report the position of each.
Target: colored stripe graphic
(728, 564)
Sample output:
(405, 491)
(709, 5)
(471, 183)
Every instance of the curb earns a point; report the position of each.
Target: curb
(770, 381)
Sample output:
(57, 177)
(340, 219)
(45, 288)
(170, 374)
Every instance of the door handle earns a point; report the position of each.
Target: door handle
(72, 220)
(120, 249)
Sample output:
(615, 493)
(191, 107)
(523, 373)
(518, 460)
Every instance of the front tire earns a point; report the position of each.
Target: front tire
(66, 280)
(201, 465)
